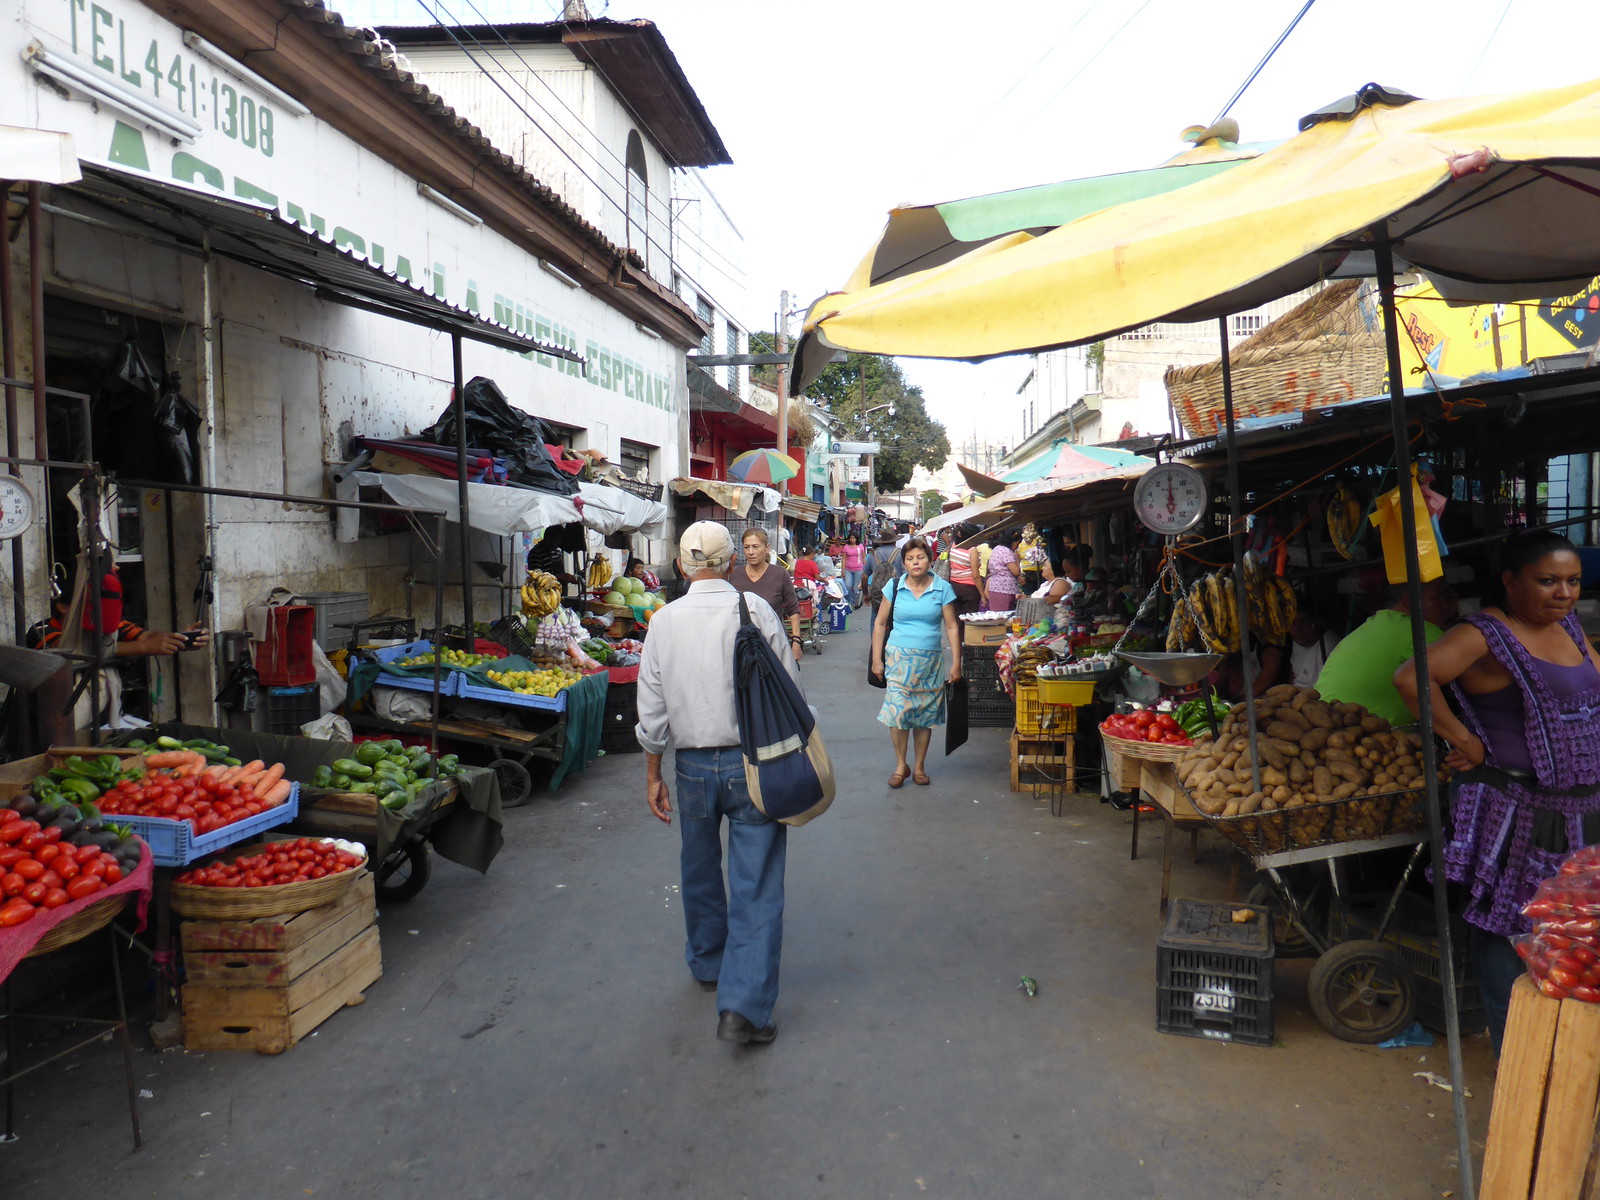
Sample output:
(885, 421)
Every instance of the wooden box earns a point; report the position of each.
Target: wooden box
(1122, 770)
(1041, 764)
(974, 634)
(1159, 783)
(1542, 1129)
(17, 777)
(263, 985)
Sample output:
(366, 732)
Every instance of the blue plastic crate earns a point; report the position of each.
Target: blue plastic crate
(389, 654)
(450, 678)
(494, 695)
(175, 844)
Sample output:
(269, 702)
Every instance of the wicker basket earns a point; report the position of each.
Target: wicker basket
(1149, 751)
(1323, 352)
(80, 925)
(278, 899)
(1326, 823)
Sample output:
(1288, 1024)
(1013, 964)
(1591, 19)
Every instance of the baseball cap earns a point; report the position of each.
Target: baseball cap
(705, 546)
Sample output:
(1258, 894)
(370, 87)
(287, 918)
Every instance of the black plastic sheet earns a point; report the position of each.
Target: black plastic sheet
(509, 433)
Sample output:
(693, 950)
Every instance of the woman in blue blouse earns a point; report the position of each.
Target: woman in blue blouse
(911, 657)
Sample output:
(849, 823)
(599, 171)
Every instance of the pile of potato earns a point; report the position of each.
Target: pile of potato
(1311, 751)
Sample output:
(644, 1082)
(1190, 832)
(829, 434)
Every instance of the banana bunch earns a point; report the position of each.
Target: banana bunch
(1344, 520)
(541, 594)
(1210, 610)
(599, 572)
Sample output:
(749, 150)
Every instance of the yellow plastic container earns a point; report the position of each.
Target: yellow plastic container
(1076, 692)
(1038, 719)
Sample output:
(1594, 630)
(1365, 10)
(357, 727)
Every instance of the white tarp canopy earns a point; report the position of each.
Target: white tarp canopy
(504, 511)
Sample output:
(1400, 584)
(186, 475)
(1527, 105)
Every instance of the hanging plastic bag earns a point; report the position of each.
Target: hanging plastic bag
(1388, 517)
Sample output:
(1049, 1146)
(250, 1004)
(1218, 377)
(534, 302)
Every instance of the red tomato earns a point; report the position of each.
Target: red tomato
(85, 885)
(46, 854)
(51, 879)
(56, 897)
(10, 857)
(15, 911)
(113, 873)
(34, 893)
(65, 867)
(1587, 993)
(12, 884)
(52, 833)
(1554, 990)
(12, 831)
(85, 854)
(29, 869)
(32, 840)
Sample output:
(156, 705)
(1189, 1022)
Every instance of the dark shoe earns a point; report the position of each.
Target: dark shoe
(732, 1027)
(707, 985)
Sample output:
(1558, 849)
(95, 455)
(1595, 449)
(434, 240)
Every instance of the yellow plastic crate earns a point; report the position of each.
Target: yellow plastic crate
(1066, 691)
(1036, 718)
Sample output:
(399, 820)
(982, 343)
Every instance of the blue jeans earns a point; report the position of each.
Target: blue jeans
(852, 587)
(735, 935)
(1495, 960)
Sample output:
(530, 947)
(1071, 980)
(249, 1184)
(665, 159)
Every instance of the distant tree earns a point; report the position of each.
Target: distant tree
(911, 438)
(929, 504)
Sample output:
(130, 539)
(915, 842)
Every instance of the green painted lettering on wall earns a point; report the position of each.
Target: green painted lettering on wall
(402, 269)
(98, 17)
(298, 215)
(246, 190)
(186, 168)
(127, 148)
(346, 240)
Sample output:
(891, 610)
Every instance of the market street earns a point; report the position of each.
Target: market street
(535, 1032)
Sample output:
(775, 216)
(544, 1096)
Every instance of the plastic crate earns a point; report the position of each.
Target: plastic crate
(449, 677)
(1413, 932)
(494, 695)
(175, 843)
(1036, 719)
(289, 708)
(1076, 692)
(284, 658)
(337, 613)
(1214, 976)
(621, 715)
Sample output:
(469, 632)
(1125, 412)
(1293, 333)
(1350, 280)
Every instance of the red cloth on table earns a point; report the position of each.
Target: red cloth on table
(19, 939)
(624, 674)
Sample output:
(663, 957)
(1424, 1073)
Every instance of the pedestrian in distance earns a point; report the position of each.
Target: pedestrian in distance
(853, 555)
(910, 657)
(686, 700)
(759, 576)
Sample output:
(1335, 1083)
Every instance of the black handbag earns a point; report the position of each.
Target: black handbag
(955, 721)
(879, 681)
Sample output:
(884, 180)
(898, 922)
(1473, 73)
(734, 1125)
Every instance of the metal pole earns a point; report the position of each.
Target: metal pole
(1419, 651)
(464, 524)
(1236, 526)
(783, 373)
(41, 431)
(8, 364)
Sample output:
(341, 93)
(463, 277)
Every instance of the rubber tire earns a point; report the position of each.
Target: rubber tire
(1287, 941)
(405, 872)
(1341, 975)
(516, 785)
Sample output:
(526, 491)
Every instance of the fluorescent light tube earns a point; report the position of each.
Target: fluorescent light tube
(449, 205)
(65, 70)
(233, 66)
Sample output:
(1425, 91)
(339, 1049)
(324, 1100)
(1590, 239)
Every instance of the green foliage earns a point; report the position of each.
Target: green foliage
(910, 438)
(929, 504)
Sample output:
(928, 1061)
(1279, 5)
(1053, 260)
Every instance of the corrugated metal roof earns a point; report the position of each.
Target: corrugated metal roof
(259, 237)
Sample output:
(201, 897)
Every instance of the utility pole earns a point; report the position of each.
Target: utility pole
(783, 373)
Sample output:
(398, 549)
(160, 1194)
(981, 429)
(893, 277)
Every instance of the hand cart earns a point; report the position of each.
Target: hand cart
(811, 630)
(1361, 990)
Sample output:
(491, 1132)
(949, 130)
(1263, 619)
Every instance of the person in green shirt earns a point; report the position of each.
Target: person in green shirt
(1361, 668)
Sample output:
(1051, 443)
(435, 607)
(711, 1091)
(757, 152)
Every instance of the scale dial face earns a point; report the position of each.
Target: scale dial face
(1170, 498)
(16, 507)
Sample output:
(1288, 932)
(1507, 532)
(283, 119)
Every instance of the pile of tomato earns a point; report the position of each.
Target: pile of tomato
(204, 801)
(40, 871)
(1563, 952)
(1146, 725)
(292, 861)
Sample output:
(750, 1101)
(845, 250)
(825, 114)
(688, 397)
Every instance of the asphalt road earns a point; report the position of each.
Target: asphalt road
(536, 1034)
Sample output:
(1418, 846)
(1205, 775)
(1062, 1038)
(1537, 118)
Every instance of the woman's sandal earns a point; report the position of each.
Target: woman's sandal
(920, 778)
(898, 778)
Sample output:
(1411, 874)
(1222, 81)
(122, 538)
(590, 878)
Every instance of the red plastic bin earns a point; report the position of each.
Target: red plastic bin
(284, 659)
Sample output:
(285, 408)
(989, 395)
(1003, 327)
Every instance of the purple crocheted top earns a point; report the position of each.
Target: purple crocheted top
(1489, 849)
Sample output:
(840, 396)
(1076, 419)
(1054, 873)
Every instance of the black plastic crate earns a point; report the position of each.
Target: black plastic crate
(621, 715)
(288, 708)
(1214, 975)
(1414, 933)
(988, 707)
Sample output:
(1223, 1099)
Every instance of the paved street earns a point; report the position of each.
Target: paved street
(536, 1034)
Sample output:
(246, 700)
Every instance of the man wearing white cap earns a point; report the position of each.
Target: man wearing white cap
(685, 698)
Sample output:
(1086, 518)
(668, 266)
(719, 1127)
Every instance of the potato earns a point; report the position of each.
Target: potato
(1309, 760)
(1322, 781)
(1303, 697)
(1229, 759)
(1271, 756)
(1344, 708)
(1298, 774)
(1280, 794)
(1272, 777)
(1269, 805)
(1250, 803)
(1318, 714)
(1374, 724)
(1290, 716)
(1343, 739)
(1314, 739)
(1231, 809)
(1344, 790)
(1284, 731)
(1348, 772)
(1285, 747)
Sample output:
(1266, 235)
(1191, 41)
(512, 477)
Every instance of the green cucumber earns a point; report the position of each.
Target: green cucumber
(341, 782)
(352, 768)
(169, 743)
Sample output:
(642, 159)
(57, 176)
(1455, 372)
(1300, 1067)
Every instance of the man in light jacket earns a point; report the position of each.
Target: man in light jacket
(685, 699)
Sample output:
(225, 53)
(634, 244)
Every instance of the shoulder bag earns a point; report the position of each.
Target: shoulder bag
(878, 680)
(786, 765)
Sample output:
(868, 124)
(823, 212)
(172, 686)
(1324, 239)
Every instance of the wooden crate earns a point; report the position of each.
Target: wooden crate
(17, 777)
(264, 984)
(1159, 783)
(1542, 1129)
(1030, 756)
(1121, 769)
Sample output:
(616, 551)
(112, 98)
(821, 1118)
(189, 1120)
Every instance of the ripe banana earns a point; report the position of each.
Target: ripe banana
(1285, 607)
(541, 594)
(1344, 520)
(599, 572)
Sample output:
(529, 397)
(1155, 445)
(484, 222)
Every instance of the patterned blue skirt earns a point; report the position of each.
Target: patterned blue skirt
(914, 698)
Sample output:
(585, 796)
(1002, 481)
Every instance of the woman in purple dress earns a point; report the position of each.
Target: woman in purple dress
(1525, 749)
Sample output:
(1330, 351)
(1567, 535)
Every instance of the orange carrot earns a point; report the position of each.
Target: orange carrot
(278, 794)
(269, 779)
(167, 758)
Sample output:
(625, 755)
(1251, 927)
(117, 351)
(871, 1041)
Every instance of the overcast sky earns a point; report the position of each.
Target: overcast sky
(834, 112)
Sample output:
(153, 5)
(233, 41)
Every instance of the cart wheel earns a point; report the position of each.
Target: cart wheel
(516, 785)
(405, 872)
(1362, 992)
(1287, 941)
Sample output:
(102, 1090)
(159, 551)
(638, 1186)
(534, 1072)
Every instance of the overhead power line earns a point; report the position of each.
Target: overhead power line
(1260, 66)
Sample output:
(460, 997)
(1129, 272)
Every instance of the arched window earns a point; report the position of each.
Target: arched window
(638, 195)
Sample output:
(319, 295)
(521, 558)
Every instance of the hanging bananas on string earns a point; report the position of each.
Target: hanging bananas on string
(1208, 614)
(599, 573)
(541, 594)
(1344, 511)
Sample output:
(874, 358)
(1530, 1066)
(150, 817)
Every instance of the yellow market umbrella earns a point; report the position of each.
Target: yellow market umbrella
(1492, 196)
